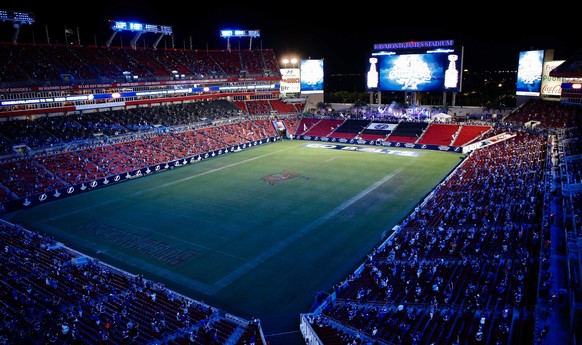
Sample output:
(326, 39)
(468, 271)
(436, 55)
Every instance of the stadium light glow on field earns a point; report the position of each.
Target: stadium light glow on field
(239, 33)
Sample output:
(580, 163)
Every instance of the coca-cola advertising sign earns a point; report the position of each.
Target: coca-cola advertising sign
(551, 86)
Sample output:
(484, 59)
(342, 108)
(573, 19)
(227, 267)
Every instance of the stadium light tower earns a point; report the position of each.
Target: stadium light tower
(286, 62)
(18, 18)
(239, 33)
(138, 29)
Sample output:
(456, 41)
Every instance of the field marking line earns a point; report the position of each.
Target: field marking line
(251, 264)
(222, 283)
(205, 288)
(157, 186)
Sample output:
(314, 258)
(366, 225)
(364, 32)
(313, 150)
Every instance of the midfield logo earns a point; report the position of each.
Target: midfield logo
(282, 176)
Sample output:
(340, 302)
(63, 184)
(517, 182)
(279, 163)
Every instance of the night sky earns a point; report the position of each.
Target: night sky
(343, 35)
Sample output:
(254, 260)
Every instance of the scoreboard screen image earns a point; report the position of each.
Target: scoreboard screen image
(420, 70)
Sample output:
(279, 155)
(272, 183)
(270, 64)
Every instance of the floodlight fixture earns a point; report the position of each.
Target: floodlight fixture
(18, 18)
(138, 29)
(228, 34)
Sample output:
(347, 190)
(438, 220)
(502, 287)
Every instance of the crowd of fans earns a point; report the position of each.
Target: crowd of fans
(474, 257)
(120, 149)
(53, 294)
(473, 264)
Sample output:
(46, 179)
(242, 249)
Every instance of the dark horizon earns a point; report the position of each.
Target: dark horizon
(491, 39)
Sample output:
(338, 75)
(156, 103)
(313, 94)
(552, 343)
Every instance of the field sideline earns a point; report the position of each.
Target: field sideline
(257, 233)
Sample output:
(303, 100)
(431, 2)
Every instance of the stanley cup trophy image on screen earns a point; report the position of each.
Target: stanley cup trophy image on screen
(452, 74)
(432, 69)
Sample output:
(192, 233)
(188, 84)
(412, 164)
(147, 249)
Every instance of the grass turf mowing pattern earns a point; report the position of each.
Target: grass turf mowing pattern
(218, 231)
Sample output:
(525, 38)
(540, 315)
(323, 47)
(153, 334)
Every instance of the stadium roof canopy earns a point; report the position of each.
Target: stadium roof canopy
(570, 68)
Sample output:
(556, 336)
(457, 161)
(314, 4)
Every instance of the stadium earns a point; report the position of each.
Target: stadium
(182, 196)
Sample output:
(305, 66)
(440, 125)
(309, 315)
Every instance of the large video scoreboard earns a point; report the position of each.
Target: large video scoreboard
(416, 66)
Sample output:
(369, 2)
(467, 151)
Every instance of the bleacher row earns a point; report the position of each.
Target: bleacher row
(472, 263)
(64, 150)
(133, 141)
(419, 132)
(363, 294)
(42, 64)
(52, 131)
(52, 294)
(467, 267)
(164, 134)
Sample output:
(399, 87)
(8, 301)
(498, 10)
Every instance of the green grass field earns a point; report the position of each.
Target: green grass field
(219, 232)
